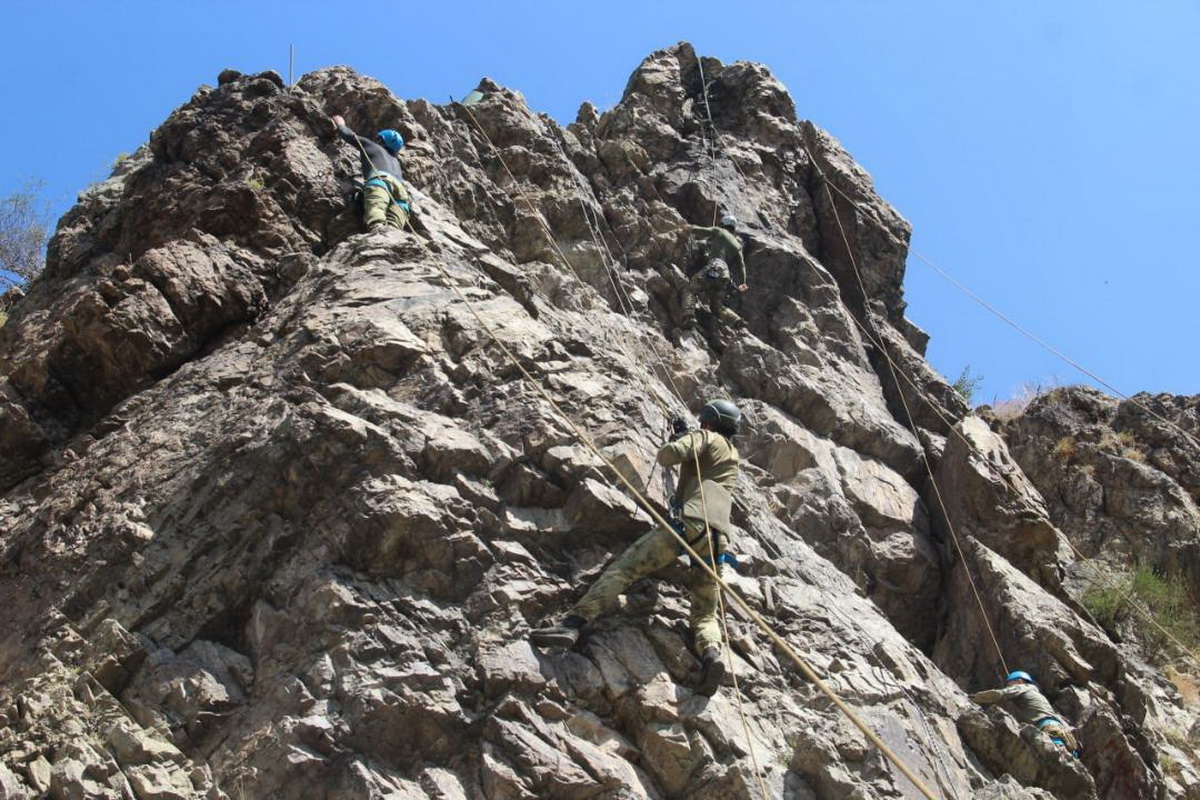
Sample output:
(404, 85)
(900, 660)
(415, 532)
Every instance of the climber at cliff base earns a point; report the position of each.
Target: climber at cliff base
(385, 197)
(699, 497)
(723, 252)
(1021, 698)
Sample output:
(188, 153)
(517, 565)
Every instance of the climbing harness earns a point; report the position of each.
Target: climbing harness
(377, 180)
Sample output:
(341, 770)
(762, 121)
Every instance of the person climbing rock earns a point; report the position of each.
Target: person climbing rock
(1021, 698)
(385, 198)
(711, 283)
(704, 495)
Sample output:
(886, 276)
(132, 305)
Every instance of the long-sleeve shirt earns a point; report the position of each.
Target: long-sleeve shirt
(1022, 700)
(718, 469)
(723, 245)
(373, 157)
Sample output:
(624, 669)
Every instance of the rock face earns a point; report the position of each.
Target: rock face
(280, 506)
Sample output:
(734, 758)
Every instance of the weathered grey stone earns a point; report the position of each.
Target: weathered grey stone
(279, 508)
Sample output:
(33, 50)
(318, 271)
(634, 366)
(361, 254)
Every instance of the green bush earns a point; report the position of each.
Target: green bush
(1107, 603)
(967, 384)
(1164, 597)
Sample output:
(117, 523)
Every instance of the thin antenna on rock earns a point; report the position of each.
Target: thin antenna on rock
(291, 61)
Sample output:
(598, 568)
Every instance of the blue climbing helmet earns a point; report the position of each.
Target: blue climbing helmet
(1020, 675)
(391, 139)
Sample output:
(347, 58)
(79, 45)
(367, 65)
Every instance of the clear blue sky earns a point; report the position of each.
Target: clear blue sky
(1045, 152)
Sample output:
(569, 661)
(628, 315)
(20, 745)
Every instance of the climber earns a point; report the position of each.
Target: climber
(385, 197)
(1021, 697)
(707, 496)
(711, 283)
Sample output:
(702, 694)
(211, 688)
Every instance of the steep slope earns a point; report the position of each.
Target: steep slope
(280, 509)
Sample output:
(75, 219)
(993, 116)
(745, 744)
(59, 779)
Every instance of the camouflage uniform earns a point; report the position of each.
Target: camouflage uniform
(655, 550)
(711, 282)
(1025, 702)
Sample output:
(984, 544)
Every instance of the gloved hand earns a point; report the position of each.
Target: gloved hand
(679, 426)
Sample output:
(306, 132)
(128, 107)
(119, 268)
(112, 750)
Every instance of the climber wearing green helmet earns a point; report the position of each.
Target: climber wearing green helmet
(702, 496)
(1021, 697)
(710, 284)
(385, 197)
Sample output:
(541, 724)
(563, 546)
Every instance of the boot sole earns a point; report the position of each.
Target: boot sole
(711, 679)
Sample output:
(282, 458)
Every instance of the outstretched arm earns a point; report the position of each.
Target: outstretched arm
(995, 695)
(741, 268)
(675, 452)
(347, 134)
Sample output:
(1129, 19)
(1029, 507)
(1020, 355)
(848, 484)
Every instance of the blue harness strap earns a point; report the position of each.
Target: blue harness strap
(724, 558)
(376, 180)
(677, 523)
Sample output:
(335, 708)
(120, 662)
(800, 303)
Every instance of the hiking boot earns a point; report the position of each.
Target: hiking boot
(564, 634)
(712, 670)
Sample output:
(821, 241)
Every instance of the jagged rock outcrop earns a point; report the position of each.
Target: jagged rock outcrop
(280, 509)
(1119, 480)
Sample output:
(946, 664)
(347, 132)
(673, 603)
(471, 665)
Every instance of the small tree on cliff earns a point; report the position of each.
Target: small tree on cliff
(24, 228)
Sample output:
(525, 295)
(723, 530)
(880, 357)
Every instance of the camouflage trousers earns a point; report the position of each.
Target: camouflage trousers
(1060, 734)
(385, 201)
(650, 553)
(708, 286)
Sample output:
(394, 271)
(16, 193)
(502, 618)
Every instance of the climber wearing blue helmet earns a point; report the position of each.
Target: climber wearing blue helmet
(385, 197)
(1021, 698)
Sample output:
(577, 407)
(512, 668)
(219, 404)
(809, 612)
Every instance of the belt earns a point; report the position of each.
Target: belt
(1045, 722)
(377, 180)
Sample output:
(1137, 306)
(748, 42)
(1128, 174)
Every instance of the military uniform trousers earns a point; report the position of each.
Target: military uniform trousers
(650, 553)
(385, 200)
(708, 286)
(1059, 733)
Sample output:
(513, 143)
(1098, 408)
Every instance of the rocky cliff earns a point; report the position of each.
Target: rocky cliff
(280, 508)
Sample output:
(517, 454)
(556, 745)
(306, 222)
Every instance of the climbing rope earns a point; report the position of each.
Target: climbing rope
(885, 677)
(782, 644)
(627, 308)
(879, 343)
(868, 648)
(1053, 350)
(1019, 328)
(726, 644)
(586, 440)
(558, 250)
(896, 371)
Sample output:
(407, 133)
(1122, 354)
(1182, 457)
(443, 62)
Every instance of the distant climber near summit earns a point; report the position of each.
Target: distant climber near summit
(385, 198)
